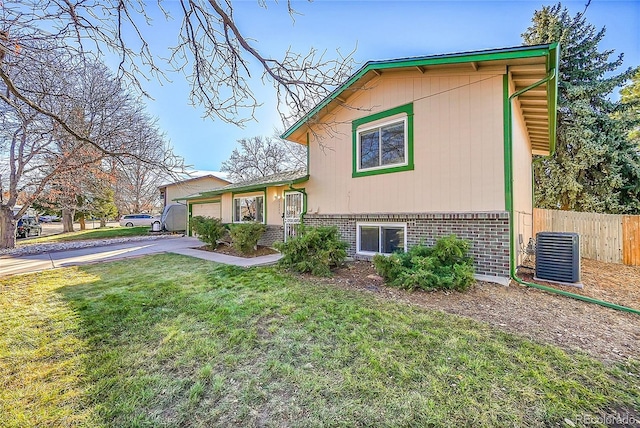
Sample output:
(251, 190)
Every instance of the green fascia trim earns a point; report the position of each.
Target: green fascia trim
(406, 108)
(456, 58)
(254, 187)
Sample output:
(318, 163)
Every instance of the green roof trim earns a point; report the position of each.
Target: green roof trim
(253, 187)
(517, 52)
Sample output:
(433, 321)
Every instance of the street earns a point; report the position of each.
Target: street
(38, 262)
(55, 228)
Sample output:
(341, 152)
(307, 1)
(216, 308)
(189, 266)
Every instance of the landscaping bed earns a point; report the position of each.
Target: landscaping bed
(606, 334)
(611, 282)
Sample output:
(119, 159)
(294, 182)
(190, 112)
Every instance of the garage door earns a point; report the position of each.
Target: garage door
(206, 210)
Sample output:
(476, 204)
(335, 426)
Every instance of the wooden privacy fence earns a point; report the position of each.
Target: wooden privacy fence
(605, 237)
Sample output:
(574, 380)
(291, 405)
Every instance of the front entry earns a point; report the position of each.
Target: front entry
(293, 203)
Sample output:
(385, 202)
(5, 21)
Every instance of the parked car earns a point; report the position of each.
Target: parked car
(48, 218)
(28, 226)
(131, 220)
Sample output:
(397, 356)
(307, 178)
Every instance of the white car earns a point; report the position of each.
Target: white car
(131, 220)
(48, 218)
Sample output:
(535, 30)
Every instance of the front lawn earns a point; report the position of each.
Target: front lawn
(101, 233)
(168, 340)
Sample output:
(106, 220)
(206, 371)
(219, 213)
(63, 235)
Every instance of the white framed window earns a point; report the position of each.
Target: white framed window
(380, 238)
(383, 144)
(248, 208)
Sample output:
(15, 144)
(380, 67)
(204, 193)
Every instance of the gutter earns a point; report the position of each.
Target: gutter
(251, 187)
(508, 147)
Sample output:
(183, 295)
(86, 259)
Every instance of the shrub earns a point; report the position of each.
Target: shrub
(245, 236)
(314, 249)
(208, 229)
(445, 266)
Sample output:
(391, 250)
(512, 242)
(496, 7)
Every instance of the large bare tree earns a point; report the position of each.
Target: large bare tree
(136, 181)
(45, 36)
(262, 156)
(211, 51)
(73, 120)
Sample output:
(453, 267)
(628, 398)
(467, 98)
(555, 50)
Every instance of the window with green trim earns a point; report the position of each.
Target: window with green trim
(248, 209)
(383, 142)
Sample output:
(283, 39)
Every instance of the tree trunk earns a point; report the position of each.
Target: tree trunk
(67, 220)
(83, 224)
(7, 228)
(103, 222)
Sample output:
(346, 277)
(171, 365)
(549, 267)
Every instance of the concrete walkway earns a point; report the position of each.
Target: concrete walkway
(230, 260)
(12, 265)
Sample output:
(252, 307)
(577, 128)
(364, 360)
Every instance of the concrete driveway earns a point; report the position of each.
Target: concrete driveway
(12, 265)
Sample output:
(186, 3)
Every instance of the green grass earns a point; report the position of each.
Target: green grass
(146, 342)
(102, 233)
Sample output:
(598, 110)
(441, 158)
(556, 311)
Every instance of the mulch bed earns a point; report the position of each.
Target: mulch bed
(230, 251)
(576, 326)
(611, 282)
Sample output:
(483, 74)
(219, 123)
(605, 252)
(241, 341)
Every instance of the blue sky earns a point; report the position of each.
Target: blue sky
(380, 30)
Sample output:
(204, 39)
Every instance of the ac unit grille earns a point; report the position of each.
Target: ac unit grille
(558, 256)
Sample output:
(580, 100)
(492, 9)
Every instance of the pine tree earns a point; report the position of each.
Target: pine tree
(594, 159)
(630, 98)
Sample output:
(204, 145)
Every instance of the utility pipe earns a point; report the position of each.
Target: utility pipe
(509, 189)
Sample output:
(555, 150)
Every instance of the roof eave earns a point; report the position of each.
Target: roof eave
(251, 188)
(456, 58)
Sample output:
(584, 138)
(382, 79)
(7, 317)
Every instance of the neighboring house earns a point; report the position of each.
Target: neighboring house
(413, 149)
(173, 192)
(175, 218)
(273, 200)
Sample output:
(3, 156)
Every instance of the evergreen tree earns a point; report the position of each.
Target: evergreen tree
(594, 162)
(630, 97)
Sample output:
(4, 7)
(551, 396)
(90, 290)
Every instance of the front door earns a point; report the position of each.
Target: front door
(293, 203)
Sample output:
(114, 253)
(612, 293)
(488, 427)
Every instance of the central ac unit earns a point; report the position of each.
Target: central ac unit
(558, 257)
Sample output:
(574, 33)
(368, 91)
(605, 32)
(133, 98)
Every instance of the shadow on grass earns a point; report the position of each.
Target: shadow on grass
(169, 340)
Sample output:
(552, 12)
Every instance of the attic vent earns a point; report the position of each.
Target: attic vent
(558, 257)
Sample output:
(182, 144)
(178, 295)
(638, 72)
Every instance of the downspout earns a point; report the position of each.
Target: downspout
(509, 201)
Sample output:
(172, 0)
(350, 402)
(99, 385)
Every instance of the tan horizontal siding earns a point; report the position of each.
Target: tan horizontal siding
(458, 148)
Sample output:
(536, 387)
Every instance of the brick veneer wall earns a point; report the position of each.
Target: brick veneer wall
(487, 231)
(272, 234)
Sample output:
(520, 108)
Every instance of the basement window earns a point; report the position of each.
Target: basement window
(381, 238)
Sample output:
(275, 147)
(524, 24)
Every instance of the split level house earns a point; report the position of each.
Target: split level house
(413, 149)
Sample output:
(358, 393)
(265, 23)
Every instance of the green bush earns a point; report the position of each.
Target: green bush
(208, 229)
(245, 236)
(445, 266)
(314, 249)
